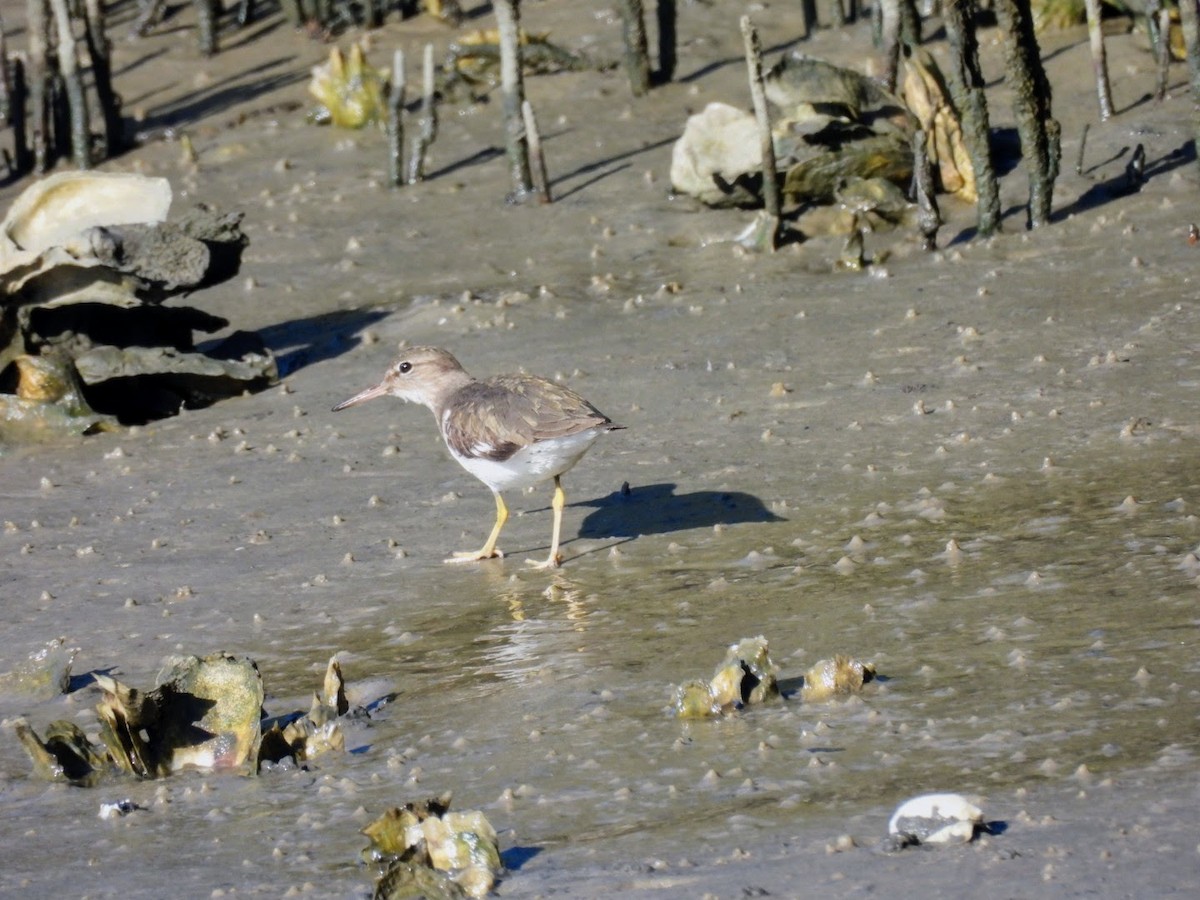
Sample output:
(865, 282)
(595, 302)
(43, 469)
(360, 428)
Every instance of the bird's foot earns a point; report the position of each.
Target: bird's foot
(466, 556)
(551, 562)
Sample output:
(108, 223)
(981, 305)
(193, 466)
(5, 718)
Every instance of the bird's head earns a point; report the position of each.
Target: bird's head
(424, 375)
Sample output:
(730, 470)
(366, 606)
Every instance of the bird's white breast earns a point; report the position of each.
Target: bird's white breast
(532, 464)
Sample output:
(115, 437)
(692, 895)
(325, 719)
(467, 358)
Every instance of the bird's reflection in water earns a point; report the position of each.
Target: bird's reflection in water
(541, 639)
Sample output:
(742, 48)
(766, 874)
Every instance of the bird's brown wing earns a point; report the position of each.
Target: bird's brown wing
(495, 418)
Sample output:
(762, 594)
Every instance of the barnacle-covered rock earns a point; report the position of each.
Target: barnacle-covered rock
(837, 677)
(442, 853)
(746, 676)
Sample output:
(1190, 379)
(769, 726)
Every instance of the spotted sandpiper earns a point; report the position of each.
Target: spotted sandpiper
(509, 431)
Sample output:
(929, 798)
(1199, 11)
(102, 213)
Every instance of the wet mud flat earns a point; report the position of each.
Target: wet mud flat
(973, 470)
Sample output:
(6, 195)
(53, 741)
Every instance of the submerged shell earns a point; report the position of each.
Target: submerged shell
(936, 819)
(44, 675)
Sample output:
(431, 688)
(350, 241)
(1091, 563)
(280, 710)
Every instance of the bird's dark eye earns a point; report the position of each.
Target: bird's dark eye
(404, 368)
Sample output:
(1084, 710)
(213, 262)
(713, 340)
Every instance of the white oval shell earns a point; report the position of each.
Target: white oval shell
(937, 818)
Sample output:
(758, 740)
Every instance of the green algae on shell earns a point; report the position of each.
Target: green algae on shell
(746, 676)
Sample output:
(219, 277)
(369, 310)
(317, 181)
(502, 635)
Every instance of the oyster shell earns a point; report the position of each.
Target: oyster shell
(444, 854)
(837, 677)
(204, 713)
(746, 676)
(66, 754)
(319, 731)
(44, 675)
(85, 260)
(718, 159)
(351, 93)
(924, 92)
(935, 819)
(57, 210)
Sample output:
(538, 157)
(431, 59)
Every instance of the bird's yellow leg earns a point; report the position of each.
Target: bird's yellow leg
(488, 550)
(554, 560)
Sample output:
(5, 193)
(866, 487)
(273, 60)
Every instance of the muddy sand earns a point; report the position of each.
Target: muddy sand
(802, 447)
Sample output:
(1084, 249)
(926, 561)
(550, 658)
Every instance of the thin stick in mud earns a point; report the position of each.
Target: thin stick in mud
(395, 121)
(771, 198)
(512, 89)
(537, 160)
(637, 54)
(427, 131)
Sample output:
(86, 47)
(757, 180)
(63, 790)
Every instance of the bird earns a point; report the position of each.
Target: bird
(509, 431)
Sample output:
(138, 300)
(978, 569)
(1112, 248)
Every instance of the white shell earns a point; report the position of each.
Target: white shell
(937, 819)
(53, 211)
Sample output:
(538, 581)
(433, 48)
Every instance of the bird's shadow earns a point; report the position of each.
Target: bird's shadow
(657, 509)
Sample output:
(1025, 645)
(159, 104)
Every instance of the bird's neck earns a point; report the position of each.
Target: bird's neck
(449, 384)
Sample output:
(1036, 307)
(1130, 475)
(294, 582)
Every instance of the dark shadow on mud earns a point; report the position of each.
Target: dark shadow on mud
(515, 857)
(657, 509)
(1125, 184)
(477, 158)
(601, 163)
(222, 96)
(718, 64)
(87, 679)
(301, 342)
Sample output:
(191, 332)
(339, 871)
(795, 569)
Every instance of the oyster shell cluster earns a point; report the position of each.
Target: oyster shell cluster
(746, 676)
(87, 261)
(840, 140)
(204, 713)
(350, 92)
(423, 849)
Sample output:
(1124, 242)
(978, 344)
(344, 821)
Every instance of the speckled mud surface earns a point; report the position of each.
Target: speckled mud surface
(802, 449)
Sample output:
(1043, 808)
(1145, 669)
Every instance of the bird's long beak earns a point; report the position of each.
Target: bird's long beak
(369, 394)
